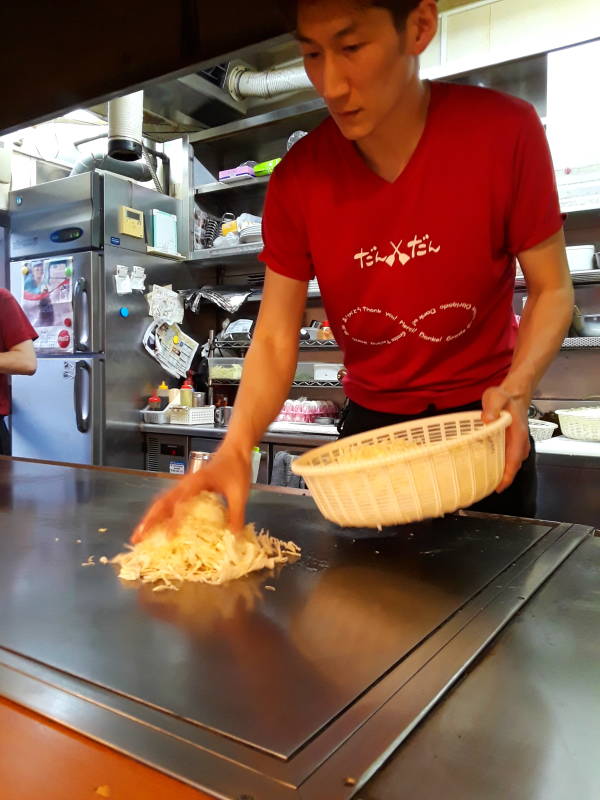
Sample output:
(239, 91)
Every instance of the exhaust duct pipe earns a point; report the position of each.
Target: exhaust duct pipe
(243, 82)
(138, 171)
(125, 118)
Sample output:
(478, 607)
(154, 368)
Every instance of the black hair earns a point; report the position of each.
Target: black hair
(399, 9)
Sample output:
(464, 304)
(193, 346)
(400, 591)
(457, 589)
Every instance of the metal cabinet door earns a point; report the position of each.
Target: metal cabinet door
(57, 414)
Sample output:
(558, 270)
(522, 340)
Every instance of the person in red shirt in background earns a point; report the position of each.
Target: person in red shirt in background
(411, 205)
(17, 356)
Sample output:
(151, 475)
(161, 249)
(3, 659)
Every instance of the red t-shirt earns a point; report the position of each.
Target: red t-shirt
(417, 276)
(14, 329)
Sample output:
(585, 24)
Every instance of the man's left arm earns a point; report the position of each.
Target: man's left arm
(545, 321)
(19, 360)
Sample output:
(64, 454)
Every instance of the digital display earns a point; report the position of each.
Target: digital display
(133, 214)
(66, 235)
(172, 450)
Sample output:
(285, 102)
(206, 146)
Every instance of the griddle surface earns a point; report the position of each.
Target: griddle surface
(269, 668)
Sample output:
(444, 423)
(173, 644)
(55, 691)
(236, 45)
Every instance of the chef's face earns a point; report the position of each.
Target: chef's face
(358, 59)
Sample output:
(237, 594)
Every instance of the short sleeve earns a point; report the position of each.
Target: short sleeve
(285, 236)
(14, 325)
(534, 214)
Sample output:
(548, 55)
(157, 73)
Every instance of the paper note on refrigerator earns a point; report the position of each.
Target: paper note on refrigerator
(122, 280)
(172, 348)
(138, 279)
(165, 305)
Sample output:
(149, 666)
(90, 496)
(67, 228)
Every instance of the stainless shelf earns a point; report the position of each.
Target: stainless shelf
(244, 126)
(581, 343)
(314, 346)
(218, 187)
(295, 384)
(590, 276)
(228, 254)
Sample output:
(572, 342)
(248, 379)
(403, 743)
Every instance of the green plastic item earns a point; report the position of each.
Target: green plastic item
(266, 167)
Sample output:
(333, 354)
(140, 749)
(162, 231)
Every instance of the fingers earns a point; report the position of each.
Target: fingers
(159, 511)
(494, 401)
(517, 450)
(236, 503)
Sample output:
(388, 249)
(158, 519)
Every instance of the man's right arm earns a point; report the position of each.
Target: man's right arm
(268, 372)
(270, 363)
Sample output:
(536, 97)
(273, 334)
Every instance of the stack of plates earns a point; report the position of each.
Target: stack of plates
(253, 233)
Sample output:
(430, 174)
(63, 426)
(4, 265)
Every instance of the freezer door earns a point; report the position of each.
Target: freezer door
(57, 414)
(63, 299)
(56, 217)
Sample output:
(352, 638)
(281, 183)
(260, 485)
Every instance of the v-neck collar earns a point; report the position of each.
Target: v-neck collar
(359, 163)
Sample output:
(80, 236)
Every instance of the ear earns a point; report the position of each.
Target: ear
(421, 27)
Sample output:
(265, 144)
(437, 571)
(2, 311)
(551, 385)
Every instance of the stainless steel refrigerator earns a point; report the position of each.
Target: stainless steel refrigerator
(93, 376)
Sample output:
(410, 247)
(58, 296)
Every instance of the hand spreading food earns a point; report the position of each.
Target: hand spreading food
(200, 547)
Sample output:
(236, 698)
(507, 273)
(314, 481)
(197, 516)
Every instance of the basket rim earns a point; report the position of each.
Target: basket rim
(543, 423)
(581, 412)
(422, 451)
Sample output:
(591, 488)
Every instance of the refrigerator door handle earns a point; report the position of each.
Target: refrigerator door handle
(82, 396)
(81, 316)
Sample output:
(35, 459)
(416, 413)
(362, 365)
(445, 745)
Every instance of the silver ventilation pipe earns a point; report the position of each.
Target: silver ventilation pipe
(125, 118)
(138, 170)
(243, 82)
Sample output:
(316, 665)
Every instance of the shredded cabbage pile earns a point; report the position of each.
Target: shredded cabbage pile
(202, 549)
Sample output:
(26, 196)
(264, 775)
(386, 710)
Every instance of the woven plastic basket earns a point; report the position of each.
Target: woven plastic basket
(452, 461)
(541, 430)
(580, 423)
(183, 415)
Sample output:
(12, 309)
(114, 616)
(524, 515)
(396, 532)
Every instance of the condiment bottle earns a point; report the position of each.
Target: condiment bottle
(163, 393)
(154, 403)
(186, 394)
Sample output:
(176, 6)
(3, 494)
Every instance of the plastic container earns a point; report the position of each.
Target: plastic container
(186, 394)
(582, 424)
(163, 391)
(184, 415)
(256, 459)
(456, 461)
(581, 258)
(229, 369)
(327, 372)
(155, 417)
(305, 372)
(541, 430)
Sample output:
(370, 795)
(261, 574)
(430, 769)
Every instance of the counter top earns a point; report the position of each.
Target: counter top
(562, 445)
(524, 724)
(293, 693)
(308, 439)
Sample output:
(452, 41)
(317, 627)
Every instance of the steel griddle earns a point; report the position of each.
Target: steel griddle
(240, 690)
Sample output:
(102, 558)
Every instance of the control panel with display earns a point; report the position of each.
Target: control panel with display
(131, 222)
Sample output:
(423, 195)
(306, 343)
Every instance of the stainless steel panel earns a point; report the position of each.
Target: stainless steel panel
(209, 662)
(168, 454)
(572, 374)
(131, 374)
(525, 723)
(40, 211)
(119, 192)
(338, 621)
(58, 413)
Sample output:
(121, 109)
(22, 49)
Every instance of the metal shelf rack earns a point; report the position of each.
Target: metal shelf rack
(220, 344)
(295, 384)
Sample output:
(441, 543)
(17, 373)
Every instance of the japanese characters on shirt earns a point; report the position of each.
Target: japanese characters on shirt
(362, 317)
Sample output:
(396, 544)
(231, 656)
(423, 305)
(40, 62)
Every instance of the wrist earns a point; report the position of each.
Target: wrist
(237, 446)
(519, 387)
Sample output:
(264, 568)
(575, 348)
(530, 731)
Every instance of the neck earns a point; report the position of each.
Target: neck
(389, 148)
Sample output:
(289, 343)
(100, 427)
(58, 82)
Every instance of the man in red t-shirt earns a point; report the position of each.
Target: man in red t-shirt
(411, 205)
(17, 356)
